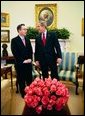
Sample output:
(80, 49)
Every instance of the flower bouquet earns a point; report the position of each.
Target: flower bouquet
(46, 94)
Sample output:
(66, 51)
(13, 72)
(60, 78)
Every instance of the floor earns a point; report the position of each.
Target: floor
(16, 104)
(76, 102)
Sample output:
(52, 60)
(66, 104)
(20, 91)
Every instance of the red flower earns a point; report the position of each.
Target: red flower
(53, 88)
(27, 89)
(44, 89)
(34, 104)
(48, 82)
(60, 103)
(46, 94)
(45, 100)
(39, 109)
(53, 97)
(30, 92)
(49, 107)
(52, 102)
(34, 83)
(37, 79)
(58, 92)
(59, 107)
(41, 83)
(54, 81)
(28, 99)
(38, 91)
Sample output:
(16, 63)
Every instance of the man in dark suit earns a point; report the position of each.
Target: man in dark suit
(22, 51)
(47, 51)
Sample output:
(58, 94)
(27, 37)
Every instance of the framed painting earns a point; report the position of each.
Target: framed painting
(47, 13)
(82, 26)
(4, 20)
(5, 36)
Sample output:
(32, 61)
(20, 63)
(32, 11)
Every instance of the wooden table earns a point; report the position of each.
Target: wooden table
(5, 70)
(31, 112)
(9, 59)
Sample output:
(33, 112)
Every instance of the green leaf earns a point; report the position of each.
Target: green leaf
(61, 33)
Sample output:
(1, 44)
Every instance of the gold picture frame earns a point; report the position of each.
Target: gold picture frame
(48, 13)
(4, 19)
(5, 36)
(82, 25)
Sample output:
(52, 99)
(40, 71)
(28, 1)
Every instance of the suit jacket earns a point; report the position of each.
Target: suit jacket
(51, 51)
(20, 51)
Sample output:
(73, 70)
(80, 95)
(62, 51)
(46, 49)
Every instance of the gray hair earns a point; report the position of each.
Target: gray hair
(43, 23)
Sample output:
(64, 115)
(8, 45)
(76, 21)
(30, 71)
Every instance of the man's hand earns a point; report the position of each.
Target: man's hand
(27, 61)
(59, 60)
(37, 63)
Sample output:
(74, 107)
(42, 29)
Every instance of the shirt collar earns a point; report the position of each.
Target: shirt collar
(22, 37)
(45, 32)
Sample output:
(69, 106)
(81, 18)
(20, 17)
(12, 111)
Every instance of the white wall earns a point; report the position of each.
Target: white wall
(69, 15)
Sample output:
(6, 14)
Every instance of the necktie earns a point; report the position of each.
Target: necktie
(43, 39)
(23, 40)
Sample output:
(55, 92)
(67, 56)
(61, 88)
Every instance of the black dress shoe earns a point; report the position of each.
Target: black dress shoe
(23, 94)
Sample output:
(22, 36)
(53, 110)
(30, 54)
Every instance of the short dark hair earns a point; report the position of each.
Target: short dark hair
(19, 26)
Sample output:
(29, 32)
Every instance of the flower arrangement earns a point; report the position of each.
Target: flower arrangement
(46, 94)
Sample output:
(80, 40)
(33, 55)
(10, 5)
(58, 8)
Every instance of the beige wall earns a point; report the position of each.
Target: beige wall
(69, 15)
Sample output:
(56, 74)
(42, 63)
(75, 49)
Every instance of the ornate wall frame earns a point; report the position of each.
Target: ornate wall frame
(82, 25)
(4, 19)
(48, 13)
(5, 36)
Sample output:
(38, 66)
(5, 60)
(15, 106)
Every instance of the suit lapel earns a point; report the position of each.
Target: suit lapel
(40, 39)
(27, 42)
(20, 42)
(47, 37)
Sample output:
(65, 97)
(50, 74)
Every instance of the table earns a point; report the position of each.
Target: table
(5, 70)
(9, 59)
(31, 112)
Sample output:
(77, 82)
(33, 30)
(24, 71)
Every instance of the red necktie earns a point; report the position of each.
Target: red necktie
(43, 39)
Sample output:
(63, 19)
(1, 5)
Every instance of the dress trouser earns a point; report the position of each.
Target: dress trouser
(52, 66)
(24, 76)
